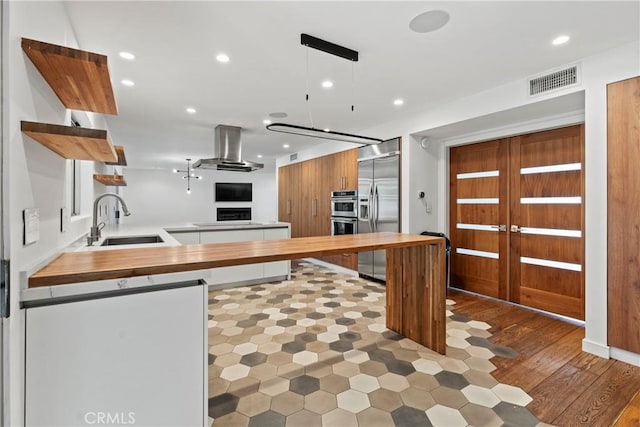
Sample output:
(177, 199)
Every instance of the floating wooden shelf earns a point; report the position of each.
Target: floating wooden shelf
(122, 160)
(79, 78)
(72, 142)
(117, 180)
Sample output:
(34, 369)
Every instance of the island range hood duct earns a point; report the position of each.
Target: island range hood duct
(228, 149)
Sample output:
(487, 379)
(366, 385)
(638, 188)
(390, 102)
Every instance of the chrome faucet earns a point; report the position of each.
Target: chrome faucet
(94, 233)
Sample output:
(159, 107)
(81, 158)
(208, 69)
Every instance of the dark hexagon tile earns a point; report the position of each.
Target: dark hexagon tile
(285, 323)
(480, 342)
(222, 405)
(380, 355)
(253, 296)
(350, 336)
(293, 347)
(360, 295)
(316, 316)
(328, 288)
(502, 351)
(328, 295)
(515, 415)
(307, 292)
(400, 367)
(344, 321)
(407, 416)
(341, 346)
(391, 335)
(247, 323)
(332, 304)
(371, 314)
(451, 380)
(305, 337)
(289, 310)
(253, 359)
(267, 419)
(304, 385)
(259, 316)
(211, 358)
(459, 318)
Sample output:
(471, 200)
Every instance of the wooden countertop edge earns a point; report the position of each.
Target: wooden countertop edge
(76, 267)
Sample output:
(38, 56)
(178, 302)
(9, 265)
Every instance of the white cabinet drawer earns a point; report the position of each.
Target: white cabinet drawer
(191, 238)
(230, 236)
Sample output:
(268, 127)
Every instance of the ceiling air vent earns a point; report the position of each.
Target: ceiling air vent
(293, 157)
(553, 81)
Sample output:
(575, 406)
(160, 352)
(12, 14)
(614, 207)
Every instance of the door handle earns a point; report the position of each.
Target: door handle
(289, 207)
(377, 207)
(501, 227)
(515, 229)
(314, 207)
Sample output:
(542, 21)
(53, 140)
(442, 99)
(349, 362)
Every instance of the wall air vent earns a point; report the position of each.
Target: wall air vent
(554, 80)
(293, 157)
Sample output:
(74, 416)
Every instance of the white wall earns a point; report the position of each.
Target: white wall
(159, 197)
(427, 170)
(36, 177)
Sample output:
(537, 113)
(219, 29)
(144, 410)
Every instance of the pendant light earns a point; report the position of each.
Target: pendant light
(341, 52)
(189, 175)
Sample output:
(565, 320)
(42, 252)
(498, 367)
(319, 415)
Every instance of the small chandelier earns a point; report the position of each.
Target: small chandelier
(189, 175)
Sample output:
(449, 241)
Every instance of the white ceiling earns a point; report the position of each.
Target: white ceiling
(484, 45)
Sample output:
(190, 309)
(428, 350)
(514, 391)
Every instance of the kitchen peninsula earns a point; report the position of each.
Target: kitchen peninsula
(415, 308)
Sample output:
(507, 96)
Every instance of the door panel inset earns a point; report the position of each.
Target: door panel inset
(516, 219)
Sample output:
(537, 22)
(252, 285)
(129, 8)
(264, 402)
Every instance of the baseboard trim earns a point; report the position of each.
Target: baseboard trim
(596, 348)
(625, 356)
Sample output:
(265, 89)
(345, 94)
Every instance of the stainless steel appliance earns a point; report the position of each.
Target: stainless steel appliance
(343, 225)
(378, 200)
(344, 212)
(344, 203)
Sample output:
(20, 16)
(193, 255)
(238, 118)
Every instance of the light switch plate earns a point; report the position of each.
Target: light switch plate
(31, 219)
(64, 219)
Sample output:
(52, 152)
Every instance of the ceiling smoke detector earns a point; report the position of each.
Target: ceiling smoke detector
(429, 21)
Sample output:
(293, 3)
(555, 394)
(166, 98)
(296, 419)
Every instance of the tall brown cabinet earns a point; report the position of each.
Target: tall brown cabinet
(623, 214)
(304, 190)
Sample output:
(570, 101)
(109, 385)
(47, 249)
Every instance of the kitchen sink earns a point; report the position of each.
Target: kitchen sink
(134, 240)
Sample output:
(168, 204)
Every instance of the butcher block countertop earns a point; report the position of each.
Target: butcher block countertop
(77, 267)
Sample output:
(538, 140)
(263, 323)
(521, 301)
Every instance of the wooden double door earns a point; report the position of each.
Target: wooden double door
(517, 219)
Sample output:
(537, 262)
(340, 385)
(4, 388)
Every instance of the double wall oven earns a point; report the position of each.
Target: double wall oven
(344, 212)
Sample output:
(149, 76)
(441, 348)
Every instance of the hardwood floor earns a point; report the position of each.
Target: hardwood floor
(569, 387)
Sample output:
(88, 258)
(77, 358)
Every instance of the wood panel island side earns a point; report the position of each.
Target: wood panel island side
(416, 278)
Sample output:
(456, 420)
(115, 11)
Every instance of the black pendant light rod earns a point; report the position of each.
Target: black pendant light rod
(328, 47)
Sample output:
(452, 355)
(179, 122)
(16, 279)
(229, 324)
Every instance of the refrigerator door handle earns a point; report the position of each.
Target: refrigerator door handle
(377, 210)
(371, 207)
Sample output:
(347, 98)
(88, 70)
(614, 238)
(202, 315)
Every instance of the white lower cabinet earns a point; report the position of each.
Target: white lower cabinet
(134, 359)
(277, 268)
(241, 273)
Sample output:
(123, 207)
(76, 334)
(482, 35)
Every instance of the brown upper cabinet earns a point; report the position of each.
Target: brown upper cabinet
(304, 191)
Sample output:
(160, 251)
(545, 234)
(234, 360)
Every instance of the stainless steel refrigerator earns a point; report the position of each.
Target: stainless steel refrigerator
(378, 200)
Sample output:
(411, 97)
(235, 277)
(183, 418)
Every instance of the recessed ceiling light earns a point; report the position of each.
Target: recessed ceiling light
(127, 55)
(285, 145)
(128, 82)
(278, 115)
(398, 102)
(429, 21)
(560, 40)
(266, 122)
(222, 58)
(326, 130)
(259, 156)
(191, 110)
(327, 84)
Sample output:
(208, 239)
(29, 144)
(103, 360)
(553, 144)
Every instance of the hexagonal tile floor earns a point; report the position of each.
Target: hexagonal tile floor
(314, 351)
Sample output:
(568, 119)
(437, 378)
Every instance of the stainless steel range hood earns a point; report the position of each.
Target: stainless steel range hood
(228, 151)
